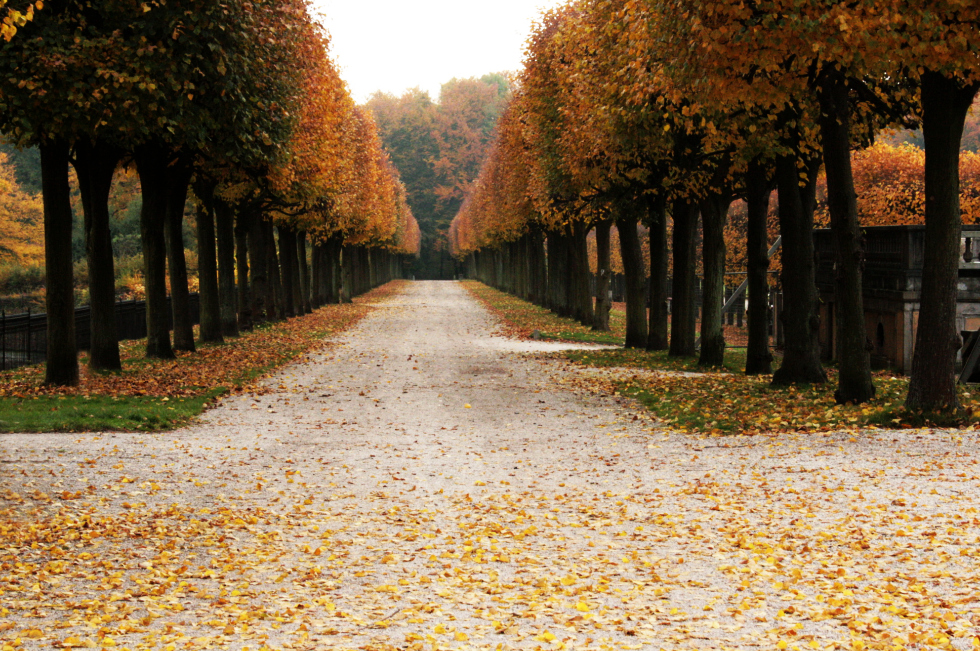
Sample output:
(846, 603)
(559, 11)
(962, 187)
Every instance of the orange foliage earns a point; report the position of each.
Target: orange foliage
(337, 178)
(21, 221)
(890, 184)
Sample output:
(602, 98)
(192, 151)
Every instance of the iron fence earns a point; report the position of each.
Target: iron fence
(24, 336)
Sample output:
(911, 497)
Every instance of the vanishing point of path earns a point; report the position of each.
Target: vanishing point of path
(422, 484)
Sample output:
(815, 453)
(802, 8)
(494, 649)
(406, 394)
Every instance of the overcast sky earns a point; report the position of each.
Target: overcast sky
(392, 45)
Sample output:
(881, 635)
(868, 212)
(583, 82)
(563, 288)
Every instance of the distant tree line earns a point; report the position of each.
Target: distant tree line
(438, 147)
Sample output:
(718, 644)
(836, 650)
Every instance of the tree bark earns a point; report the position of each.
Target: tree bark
(801, 357)
(316, 275)
(178, 177)
(260, 284)
(636, 299)
(224, 226)
(932, 387)
(95, 164)
(714, 213)
(331, 269)
(603, 273)
(304, 271)
(287, 254)
(581, 294)
(61, 368)
(207, 265)
(758, 358)
(151, 164)
(275, 270)
(242, 226)
(558, 272)
(659, 316)
(853, 358)
(538, 267)
(683, 318)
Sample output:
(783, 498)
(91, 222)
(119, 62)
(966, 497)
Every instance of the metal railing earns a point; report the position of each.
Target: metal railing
(24, 336)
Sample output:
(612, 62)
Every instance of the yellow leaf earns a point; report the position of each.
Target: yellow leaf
(582, 607)
(462, 637)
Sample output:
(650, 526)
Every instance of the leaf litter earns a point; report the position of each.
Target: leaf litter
(356, 503)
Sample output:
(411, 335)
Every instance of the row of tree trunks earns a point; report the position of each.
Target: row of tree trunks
(559, 280)
(240, 278)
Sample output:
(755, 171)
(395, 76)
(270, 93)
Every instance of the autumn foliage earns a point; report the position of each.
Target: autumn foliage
(237, 106)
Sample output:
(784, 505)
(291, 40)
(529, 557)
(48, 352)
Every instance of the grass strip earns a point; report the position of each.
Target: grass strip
(521, 319)
(722, 400)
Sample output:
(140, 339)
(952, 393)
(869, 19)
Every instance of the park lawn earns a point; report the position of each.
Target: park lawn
(685, 397)
(152, 394)
(520, 319)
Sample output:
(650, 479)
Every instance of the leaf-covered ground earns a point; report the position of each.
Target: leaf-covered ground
(153, 394)
(718, 401)
(415, 487)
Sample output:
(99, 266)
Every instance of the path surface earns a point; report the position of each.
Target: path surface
(423, 484)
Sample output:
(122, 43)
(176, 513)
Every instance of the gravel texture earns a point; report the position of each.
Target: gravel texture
(423, 484)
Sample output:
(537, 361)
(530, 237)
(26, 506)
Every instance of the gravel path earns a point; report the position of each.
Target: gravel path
(424, 485)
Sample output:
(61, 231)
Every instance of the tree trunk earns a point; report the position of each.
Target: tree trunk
(331, 270)
(758, 358)
(932, 387)
(242, 226)
(95, 164)
(801, 357)
(602, 274)
(853, 358)
(714, 213)
(636, 299)
(304, 271)
(558, 272)
(224, 226)
(178, 177)
(538, 267)
(287, 253)
(151, 164)
(61, 367)
(260, 283)
(581, 295)
(316, 275)
(659, 314)
(275, 270)
(207, 265)
(683, 318)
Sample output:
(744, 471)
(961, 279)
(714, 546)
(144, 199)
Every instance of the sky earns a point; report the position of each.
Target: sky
(393, 45)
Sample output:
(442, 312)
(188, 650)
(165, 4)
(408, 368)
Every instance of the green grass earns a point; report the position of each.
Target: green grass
(653, 360)
(719, 400)
(99, 413)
